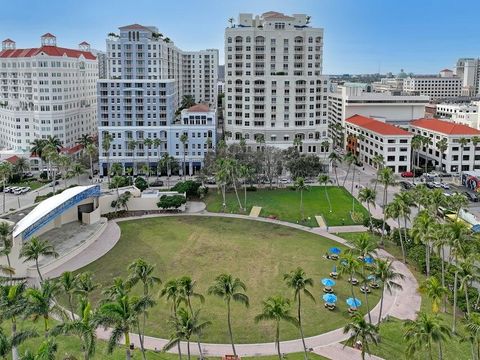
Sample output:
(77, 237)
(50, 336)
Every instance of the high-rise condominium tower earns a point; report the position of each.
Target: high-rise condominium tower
(274, 88)
(147, 78)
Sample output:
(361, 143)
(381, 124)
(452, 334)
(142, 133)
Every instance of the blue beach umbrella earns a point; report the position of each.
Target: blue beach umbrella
(353, 302)
(369, 260)
(371, 277)
(335, 250)
(330, 298)
(328, 282)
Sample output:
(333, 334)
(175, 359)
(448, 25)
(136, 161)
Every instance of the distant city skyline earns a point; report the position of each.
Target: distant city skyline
(360, 36)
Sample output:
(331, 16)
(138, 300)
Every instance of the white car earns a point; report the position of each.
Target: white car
(437, 184)
(284, 181)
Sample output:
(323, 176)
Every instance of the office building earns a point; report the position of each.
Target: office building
(445, 85)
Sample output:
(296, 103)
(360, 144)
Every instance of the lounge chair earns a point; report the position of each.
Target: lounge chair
(334, 274)
(330, 307)
(327, 289)
(365, 289)
(353, 281)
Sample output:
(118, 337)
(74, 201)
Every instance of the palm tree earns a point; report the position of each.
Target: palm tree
(6, 170)
(91, 150)
(468, 275)
(442, 146)
(472, 327)
(77, 170)
(364, 246)
(36, 148)
(187, 292)
(171, 291)
(131, 146)
(323, 179)
(142, 272)
(334, 158)
(432, 287)
(157, 142)
(361, 330)
(118, 289)
(349, 265)
(222, 177)
(301, 186)
(148, 144)
(416, 145)
(422, 234)
(55, 142)
(63, 162)
(8, 343)
(232, 168)
(6, 241)
(122, 315)
(106, 145)
(42, 304)
(462, 142)
(85, 140)
(85, 284)
(387, 178)
(426, 142)
(185, 325)
(458, 236)
(368, 195)
(184, 141)
(349, 159)
(229, 288)
(21, 166)
(425, 331)
(34, 248)
(46, 351)
(68, 284)
(386, 274)
(298, 281)
(84, 327)
(475, 141)
(276, 309)
(245, 172)
(13, 304)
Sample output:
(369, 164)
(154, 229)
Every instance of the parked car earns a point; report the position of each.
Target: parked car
(284, 181)
(157, 183)
(406, 185)
(54, 183)
(445, 186)
(430, 185)
(406, 174)
(211, 181)
(471, 197)
(7, 189)
(437, 184)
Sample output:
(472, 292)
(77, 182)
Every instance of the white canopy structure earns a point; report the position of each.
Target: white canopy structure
(53, 207)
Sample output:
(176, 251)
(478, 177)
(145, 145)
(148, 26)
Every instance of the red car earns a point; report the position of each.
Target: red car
(406, 174)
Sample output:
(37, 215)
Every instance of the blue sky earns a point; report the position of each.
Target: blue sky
(361, 36)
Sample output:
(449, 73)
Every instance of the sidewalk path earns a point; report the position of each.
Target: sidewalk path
(402, 304)
(339, 352)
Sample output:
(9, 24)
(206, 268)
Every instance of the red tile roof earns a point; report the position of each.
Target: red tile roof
(71, 150)
(12, 159)
(198, 108)
(48, 50)
(444, 127)
(376, 126)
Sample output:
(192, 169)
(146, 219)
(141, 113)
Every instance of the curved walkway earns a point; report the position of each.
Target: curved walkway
(392, 306)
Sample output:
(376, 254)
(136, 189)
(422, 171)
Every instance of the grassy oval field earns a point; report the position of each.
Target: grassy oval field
(204, 247)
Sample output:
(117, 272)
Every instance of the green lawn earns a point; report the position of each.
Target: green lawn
(285, 204)
(70, 345)
(203, 247)
(391, 332)
(34, 184)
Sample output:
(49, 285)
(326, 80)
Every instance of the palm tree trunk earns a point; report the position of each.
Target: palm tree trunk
(353, 196)
(108, 167)
(336, 175)
(184, 167)
(301, 204)
(4, 185)
(277, 341)
(427, 256)
(14, 348)
(91, 167)
(140, 339)
(366, 294)
(236, 192)
(384, 212)
(346, 176)
(71, 306)
(401, 241)
(229, 322)
(299, 311)
(245, 189)
(222, 189)
(188, 349)
(45, 326)
(127, 345)
(38, 270)
(443, 278)
(440, 350)
(328, 198)
(381, 305)
(455, 301)
(467, 302)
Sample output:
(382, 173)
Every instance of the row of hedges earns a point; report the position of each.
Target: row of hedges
(51, 193)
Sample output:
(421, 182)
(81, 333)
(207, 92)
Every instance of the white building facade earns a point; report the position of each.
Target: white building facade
(468, 69)
(274, 88)
(369, 138)
(46, 91)
(147, 78)
(344, 101)
(455, 157)
(446, 85)
(465, 113)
